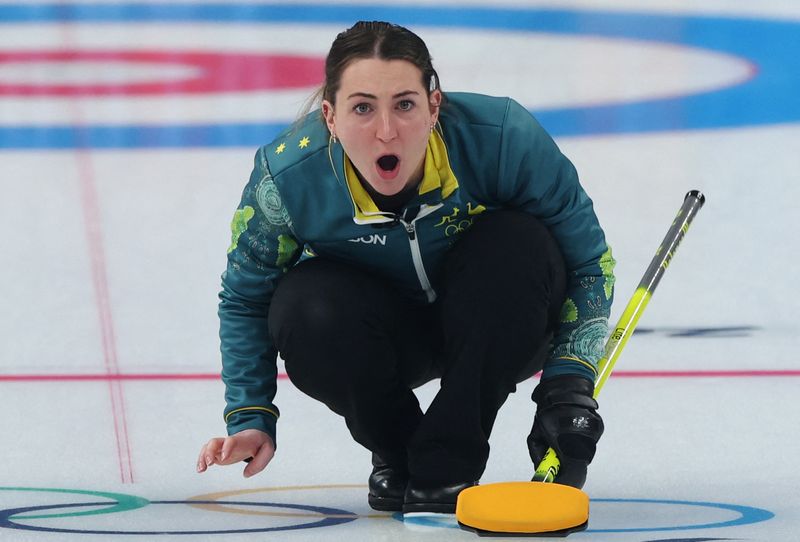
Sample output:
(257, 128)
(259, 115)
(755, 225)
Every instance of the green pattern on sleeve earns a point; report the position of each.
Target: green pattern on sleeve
(287, 249)
(569, 311)
(239, 225)
(607, 263)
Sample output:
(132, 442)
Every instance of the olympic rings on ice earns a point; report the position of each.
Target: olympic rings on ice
(310, 516)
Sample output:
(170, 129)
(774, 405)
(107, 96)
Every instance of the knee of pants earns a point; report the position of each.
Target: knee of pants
(507, 258)
(299, 312)
(500, 241)
(324, 322)
(312, 312)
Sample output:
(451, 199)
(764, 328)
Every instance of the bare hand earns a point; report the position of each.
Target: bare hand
(235, 448)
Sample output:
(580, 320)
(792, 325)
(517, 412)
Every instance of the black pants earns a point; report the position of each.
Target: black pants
(350, 341)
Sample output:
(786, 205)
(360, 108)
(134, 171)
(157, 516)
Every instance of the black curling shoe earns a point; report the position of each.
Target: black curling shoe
(387, 486)
(439, 499)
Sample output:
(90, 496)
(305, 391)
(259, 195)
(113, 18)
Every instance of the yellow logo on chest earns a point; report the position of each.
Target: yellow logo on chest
(453, 224)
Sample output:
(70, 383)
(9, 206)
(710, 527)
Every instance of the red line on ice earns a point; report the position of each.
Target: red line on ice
(116, 377)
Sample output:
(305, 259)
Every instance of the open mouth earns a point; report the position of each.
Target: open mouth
(388, 162)
(388, 166)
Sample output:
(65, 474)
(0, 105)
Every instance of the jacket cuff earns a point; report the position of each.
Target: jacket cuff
(265, 422)
(568, 366)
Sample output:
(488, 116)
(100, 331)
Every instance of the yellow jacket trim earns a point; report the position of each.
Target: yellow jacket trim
(265, 409)
(587, 364)
(364, 206)
(438, 175)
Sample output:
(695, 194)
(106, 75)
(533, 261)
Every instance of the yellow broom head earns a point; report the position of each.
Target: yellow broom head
(523, 508)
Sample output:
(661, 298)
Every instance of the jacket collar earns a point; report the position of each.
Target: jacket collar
(438, 181)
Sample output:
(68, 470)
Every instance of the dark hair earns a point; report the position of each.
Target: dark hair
(376, 39)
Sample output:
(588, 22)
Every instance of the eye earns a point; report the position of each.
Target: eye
(405, 105)
(362, 108)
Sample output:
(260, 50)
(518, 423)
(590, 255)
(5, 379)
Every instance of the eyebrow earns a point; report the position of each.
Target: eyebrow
(373, 97)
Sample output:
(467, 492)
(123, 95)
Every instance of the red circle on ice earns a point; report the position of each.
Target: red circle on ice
(206, 72)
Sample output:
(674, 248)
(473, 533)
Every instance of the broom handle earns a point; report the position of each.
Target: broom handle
(547, 470)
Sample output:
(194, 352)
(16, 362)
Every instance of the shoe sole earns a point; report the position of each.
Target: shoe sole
(429, 507)
(385, 504)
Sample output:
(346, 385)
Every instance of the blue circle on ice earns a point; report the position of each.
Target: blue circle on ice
(768, 97)
(747, 515)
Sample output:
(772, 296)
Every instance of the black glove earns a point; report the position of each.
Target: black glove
(567, 421)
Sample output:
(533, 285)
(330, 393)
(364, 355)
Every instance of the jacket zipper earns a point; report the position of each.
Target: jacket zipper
(416, 254)
(411, 230)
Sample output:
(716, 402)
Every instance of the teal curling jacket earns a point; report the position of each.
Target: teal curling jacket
(303, 200)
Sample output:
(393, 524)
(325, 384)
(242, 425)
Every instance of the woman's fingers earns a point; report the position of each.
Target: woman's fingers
(261, 459)
(247, 444)
(209, 453)
(201, 459)
(232, 451)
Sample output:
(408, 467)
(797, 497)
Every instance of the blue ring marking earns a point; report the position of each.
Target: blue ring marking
(7, 521)
(748, 514)
(767, 98)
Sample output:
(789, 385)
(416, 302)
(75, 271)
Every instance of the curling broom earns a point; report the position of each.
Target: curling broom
(540, 508)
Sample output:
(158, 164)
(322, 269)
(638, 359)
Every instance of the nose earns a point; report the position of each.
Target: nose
(386, 129)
